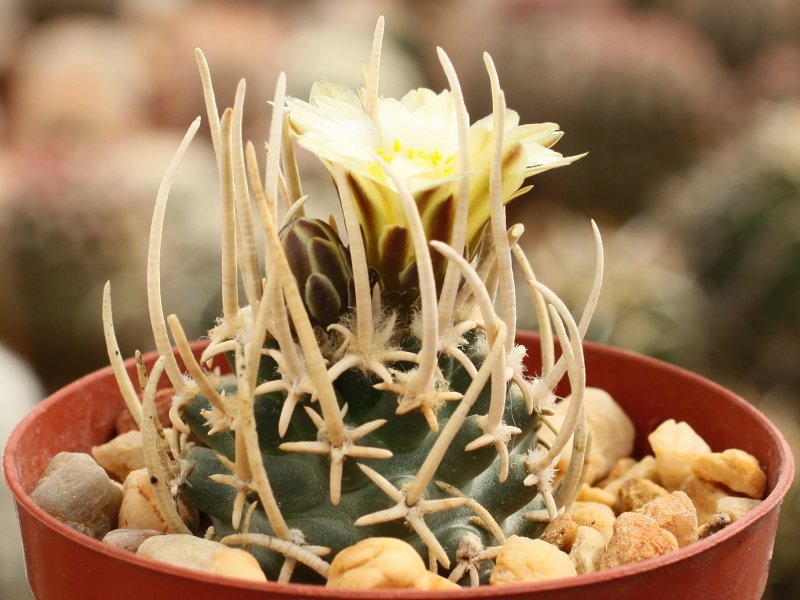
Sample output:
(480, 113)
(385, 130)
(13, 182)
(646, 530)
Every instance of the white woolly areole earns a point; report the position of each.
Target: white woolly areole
(539, 475)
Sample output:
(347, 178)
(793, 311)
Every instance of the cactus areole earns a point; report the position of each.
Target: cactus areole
(376, 389)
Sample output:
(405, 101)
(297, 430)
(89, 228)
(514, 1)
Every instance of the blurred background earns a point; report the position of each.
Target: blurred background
(690, 110)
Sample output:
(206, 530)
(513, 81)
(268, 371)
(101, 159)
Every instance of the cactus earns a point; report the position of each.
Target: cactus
(375, 388)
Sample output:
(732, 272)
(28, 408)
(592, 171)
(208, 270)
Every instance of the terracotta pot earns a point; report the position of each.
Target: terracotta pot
(733, 563)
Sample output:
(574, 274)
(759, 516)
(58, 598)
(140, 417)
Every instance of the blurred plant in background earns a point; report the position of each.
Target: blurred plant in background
(740, 29)
(61, 87)
(645, 90)
(73, 216)
(690, 110)
(737, 214)
(650, 302)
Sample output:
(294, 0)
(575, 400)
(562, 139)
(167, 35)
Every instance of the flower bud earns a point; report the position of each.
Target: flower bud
(321, 265)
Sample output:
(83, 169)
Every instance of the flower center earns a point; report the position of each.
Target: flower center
(431, 160)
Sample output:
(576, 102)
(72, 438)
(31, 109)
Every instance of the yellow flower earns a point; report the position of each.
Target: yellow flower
(418, 136)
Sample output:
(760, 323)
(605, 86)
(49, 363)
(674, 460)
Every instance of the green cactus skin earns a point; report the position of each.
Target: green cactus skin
(300, 481)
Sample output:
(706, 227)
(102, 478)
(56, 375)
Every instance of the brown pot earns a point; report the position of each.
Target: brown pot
(733, 563)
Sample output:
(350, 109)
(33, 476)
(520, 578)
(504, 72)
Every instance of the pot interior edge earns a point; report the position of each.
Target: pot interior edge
(761, 435)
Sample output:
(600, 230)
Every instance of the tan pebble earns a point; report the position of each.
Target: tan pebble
(560, 532)
(376, 563)
(717, 522)
(522, 559)
(622, 466)
(737, 470)
(196, 553)
(704, 495)
(736, 507)
(586, 493)
(595, 515)
(235, 562)
(129, 539)
(676, 446)
(675, 513)
(139, 509)
(635, 493)
(612, 433)
(643, 469)
(121, 455)
(437, 582)
(636, 537)
(587, 550)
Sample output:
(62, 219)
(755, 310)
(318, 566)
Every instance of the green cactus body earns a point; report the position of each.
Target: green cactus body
(300, 482)
(356, 409)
